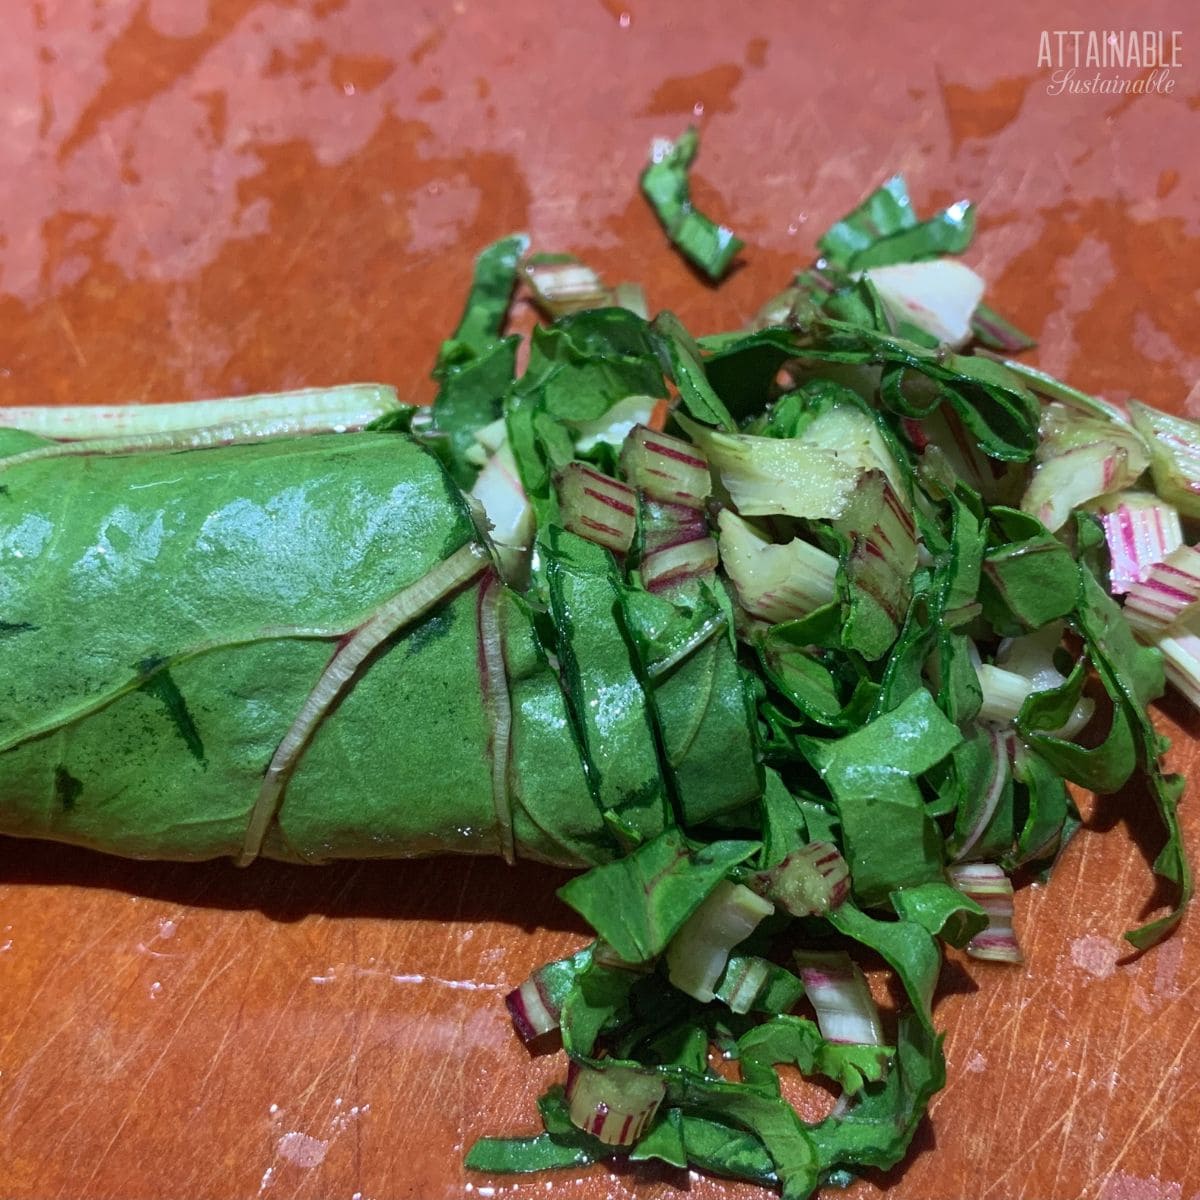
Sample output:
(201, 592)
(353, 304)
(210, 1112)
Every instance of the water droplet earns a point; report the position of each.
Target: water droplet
(155, 990)
(349, 89)
(698, 108)
(625, 20)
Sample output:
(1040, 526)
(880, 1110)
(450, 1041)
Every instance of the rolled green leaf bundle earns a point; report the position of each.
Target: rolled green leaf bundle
(167, 617)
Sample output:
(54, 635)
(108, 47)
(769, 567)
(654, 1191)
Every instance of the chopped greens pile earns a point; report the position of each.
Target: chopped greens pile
(796, 636)
(836, 625)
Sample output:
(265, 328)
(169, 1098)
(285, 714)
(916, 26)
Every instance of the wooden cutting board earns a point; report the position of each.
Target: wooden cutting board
(200, 198)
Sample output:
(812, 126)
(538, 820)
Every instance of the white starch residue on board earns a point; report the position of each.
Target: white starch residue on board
(302, 1149)
(1096, 955)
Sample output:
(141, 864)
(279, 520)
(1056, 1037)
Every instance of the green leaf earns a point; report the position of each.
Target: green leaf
(585, 363)
(475, 366)
(595, 1005)
(714, 1146)
(609, 704)
(508, 1156)
(884, 229)
(703, 706)
(1133, 677)
(638, 903)
(886, 211)
(801, 674)
(889, 840)
(940, 910)
(978, 777)
(779, 990)
(1047, 807)
(486, 309)
(665, 184)
(664, 1141)
(1105, 767)
(1028, 584)
(958, 573)
(796, 1040)
(680, 356)
(877, 1130)
(258, 538)
(906, 946)
(471, 396)
(998, 411)
(769, 1118)
(947, 232)
(783, 826)
(743, 371)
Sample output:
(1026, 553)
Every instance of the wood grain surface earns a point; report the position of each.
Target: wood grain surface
(201, 197)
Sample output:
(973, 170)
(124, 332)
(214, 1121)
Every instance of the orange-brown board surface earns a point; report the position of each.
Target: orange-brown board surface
(202, 197)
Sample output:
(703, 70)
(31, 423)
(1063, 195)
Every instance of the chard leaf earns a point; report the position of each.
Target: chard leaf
(796, 1040)
(608, 702)
(638, 903)
(886, 211)
(783, 824)
(797, 670)
(1105, 767)
(471, 396)
(702, 704)
(978, 782)
(959, 572)
(486, 309)
(878, 1128)
(664, 1141)
(947, 232)
(779, 990)
(742, 372)
(1133, 677)
(585, 363)
(998, 410)
(475, 366)
(545, 1152)
(959, 694)
(681, 1139)
(1047, 808)
(768, 1117)
(906, 945)
(1028, 584)
(940, 910)
(597, 1004)
(665, 184)
(884, 229)
(680, 357)
(540, 446)
(555, 814)
(562, 1145)
(889, 840)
